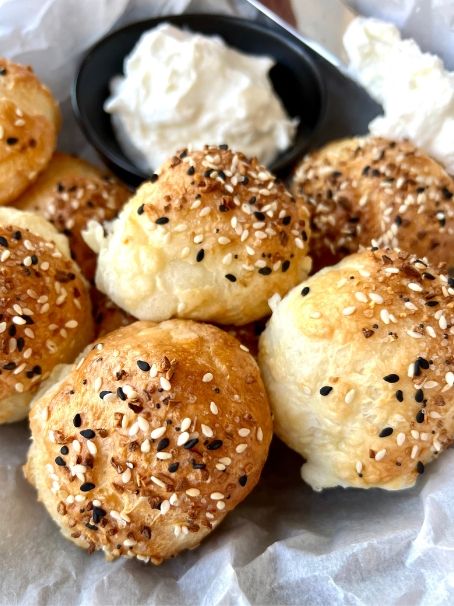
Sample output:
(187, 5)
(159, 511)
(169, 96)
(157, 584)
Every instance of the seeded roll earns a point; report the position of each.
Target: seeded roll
(45, 308)
(150, 440)
(371, 189)
(29, 124)
(70, 193)
(211, 238)
(358, 362)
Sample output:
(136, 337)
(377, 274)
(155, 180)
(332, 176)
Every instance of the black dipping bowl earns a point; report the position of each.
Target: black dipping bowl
(295, 78)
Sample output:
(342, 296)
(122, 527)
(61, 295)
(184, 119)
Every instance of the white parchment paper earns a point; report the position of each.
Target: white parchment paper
(285, 544)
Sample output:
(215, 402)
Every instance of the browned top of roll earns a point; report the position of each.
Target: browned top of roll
(370, 188)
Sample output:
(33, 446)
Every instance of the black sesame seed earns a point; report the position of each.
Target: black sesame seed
(60, 461)
(37, 369)
(451, 282)
(9, 366)
(223, 208)
(230, 277)
(121, 394)
(143, 365)
(398, 220)
(400, 395)
(98, 513)
(77, 421)
(11, 140)
(207, 173)
(243, 480)
(90, 526)
(28, 319)
(140, 210)
(87, 486)
(162, 220)
(385, 432)
(325, 390)
(423, 363)
(419, 395)
(305, 291)
(420, 467)
(259, 215)
(420, 417)
(191, 170)
(196, 465)
(190, 443)
(286, 220)
(88, 433)
(154, 177)
(200, 255)
(163, 444)
(3, 242)
(447, 193)
(224, 146)
(285, 265)
(222, 175)
(392, 378)
(20, 344)
(214, 445)
(17, 235)
(173, 467)
(3, 71)
(252, 200)
(104, 393)
(265, 271)
(432, 303)
(64, 450)
(34, 259)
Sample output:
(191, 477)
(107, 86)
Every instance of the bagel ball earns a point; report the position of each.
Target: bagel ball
(29, 125)
(70, 193)
(45, 308)
(211, 238)
(151, 439)
(370, 189)
(358, 362)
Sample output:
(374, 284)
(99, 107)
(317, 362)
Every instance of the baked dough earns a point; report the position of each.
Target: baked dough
(370, 189)
(211, 238)
(45, 308)
(29, 124)
(358, 362)
(151, 439)
(71, 192)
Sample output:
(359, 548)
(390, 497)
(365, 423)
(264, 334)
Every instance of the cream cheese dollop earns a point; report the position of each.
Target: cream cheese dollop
(181, 88)
(414, 88)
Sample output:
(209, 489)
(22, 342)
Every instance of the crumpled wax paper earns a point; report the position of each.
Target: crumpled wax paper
(285, 544)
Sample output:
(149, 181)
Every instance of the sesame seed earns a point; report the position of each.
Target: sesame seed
(380, 454)
(325, 390)
(145, 446)
(399, 395)
(243, 432)
(92, 449)
(387, 431)
(400, 438)
(165, 506)
(220, 505)
(392, 378)
(214, 445)
(157, 481)
(348, 311)
(214, 408)
(162, 220)
(165, 384)
(415, 287)
(349, 396)
(144, 366)
(182, 438)
(77, 420)
(207, 377)
(193, 492)
(158, 432)
(259, 434)
(87, 486)
(88, 433)
(420, 467)
(241, 448)
(358, 467)
(230, 277)
(207, 431)
(216, 496)
(191, 443)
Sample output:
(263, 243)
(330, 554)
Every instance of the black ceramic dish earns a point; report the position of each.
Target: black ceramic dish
(295, 78)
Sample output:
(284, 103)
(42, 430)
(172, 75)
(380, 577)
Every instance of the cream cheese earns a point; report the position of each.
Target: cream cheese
(414, 88)
(181, 88)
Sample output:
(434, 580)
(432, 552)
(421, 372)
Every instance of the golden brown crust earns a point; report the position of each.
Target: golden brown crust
(211, 238)
(359, 366)
(29, 124)
(107, 316)
(71, 192)
(151, 439)
(371, 188)
(45, 319)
